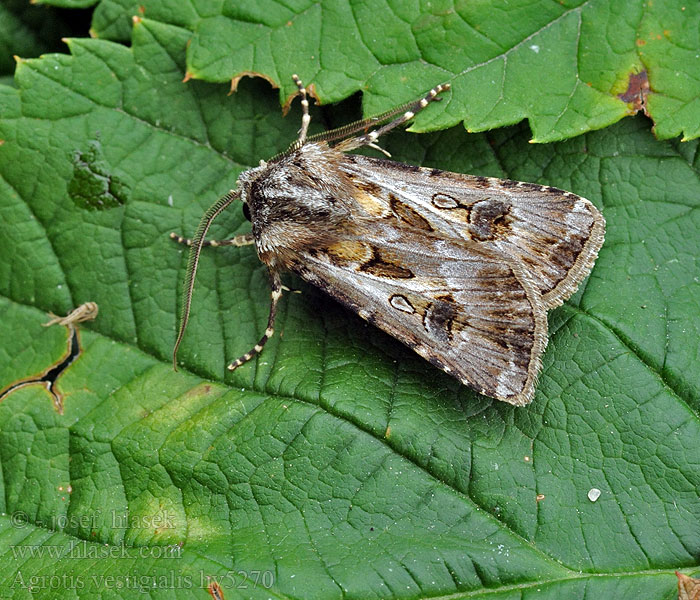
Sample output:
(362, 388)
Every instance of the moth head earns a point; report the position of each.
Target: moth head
(245, 185)
(303, 184)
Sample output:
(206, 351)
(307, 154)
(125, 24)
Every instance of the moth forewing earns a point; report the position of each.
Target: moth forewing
(554, 235)
(460, 268)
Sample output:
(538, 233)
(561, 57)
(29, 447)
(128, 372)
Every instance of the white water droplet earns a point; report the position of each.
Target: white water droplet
(594, 494)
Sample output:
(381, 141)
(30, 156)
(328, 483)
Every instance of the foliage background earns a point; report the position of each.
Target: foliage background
(339, 464)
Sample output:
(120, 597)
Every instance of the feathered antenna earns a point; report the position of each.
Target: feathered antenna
(197, 242)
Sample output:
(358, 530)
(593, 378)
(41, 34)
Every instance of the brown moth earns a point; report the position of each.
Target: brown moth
(460, 268)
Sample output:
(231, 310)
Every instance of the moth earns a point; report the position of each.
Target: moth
(460, 268)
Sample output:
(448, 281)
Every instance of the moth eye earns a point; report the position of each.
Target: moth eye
(246, 211)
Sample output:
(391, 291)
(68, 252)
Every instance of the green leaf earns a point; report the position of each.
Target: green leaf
(28, 31)
(338, 463)
(567, 67)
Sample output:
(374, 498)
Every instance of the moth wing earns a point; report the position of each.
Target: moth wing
(555, 235)
(470, 313)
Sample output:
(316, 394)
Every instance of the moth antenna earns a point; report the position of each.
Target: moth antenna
(409, 111)
(346, 131)
(193, 261)
(305, 116)
(275, 295)
(340, 133)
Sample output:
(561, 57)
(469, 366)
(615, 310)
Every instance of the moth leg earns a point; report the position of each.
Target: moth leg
(305, 116)
(239, 240)
(412, 110)
(372, 145)
(290, 290)
(275, 295)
